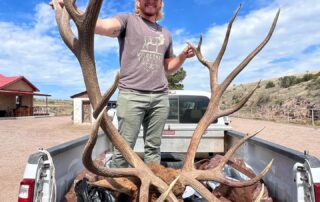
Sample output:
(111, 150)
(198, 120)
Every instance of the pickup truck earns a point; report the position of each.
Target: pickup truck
(294, 176)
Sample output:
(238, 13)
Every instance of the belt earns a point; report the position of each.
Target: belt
(145, 92)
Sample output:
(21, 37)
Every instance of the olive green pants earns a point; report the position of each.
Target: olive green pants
(141, 109)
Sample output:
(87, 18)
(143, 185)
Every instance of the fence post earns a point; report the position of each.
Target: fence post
(312, 117)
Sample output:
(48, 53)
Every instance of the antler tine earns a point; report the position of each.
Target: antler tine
(240, 104)
(57, 9)
(227, 157)
(236, 146)
(63, 19)
(144, 189)
(248, 182)
(226, 39)
(87, 155)
(92, 13)
(246, 61)
(199, 55)
(74, 13)
(216, 173)
(164, 195)
(199, 187)
(259, 197)
(106, 96)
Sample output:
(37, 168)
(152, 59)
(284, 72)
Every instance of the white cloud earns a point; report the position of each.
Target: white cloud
(297, 29)
(37, 52)
(179, 32)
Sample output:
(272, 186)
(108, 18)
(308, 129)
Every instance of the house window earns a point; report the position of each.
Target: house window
(18, 101)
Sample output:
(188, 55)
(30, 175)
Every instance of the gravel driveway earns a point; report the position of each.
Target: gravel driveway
(22, 137)
(296, 137)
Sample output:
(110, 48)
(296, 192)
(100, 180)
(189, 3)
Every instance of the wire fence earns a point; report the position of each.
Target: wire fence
(56, 110)
(301, 115)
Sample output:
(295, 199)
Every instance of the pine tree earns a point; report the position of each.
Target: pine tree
(176, 79)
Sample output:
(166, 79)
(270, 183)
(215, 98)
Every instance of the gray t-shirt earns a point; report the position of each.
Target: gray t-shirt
(143, 47)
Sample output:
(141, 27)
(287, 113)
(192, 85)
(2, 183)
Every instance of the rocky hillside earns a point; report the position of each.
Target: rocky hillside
(290, 98)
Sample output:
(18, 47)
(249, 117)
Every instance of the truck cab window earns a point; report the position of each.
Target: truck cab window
(192, 108)
(187, 109)
(174, 110)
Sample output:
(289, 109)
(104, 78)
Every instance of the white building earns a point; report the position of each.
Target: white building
(82, 109)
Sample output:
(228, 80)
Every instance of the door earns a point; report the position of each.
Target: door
(86, 112)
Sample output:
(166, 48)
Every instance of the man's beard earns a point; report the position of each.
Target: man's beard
(150, 13)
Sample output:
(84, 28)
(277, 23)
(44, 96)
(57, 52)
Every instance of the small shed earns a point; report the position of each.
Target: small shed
(16, 96)
(82, 109)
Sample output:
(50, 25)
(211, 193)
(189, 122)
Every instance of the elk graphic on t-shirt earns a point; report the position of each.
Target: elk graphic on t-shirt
(149, 54)
(152, 43)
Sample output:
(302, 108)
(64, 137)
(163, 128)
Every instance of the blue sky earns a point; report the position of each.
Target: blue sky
(30, 44)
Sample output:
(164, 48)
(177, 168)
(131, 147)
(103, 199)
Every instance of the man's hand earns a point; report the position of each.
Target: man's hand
(59, 1)
(171, 65)
(188, 51)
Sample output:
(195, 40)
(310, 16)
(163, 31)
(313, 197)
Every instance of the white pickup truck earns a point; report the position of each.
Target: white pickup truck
(294, 176)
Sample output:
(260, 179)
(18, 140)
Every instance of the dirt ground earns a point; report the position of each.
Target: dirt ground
(22, 137)
(293, 136)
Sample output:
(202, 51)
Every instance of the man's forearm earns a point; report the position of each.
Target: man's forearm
(108, 27)
(174, 64)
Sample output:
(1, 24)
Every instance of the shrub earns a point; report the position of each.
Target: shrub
(287, 81)
(308, 77)
(262, 99)
(270, 84)
(279, 102)
(314, 85)
(236, 98)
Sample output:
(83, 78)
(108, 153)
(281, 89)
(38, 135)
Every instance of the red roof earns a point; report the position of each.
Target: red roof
(6, 81)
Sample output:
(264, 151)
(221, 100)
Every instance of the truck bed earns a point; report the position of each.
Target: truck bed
(284, 180)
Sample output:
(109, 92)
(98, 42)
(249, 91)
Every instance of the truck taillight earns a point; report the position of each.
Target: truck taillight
(317, 191)
(26, 190)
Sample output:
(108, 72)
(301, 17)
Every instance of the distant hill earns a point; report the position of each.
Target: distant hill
(290, 98)
(55, 107)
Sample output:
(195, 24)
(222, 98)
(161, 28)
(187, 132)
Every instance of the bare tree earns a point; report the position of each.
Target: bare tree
(82, 46)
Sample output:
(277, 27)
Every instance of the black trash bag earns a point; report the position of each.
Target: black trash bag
(89, 193)
(194, 198)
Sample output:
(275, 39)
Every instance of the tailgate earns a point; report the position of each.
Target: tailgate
(176, 138)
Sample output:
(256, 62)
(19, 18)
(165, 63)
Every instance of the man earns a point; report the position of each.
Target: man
(146, 56)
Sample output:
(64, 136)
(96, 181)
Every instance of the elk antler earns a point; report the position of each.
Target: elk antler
(83, 48)
(189, 175)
